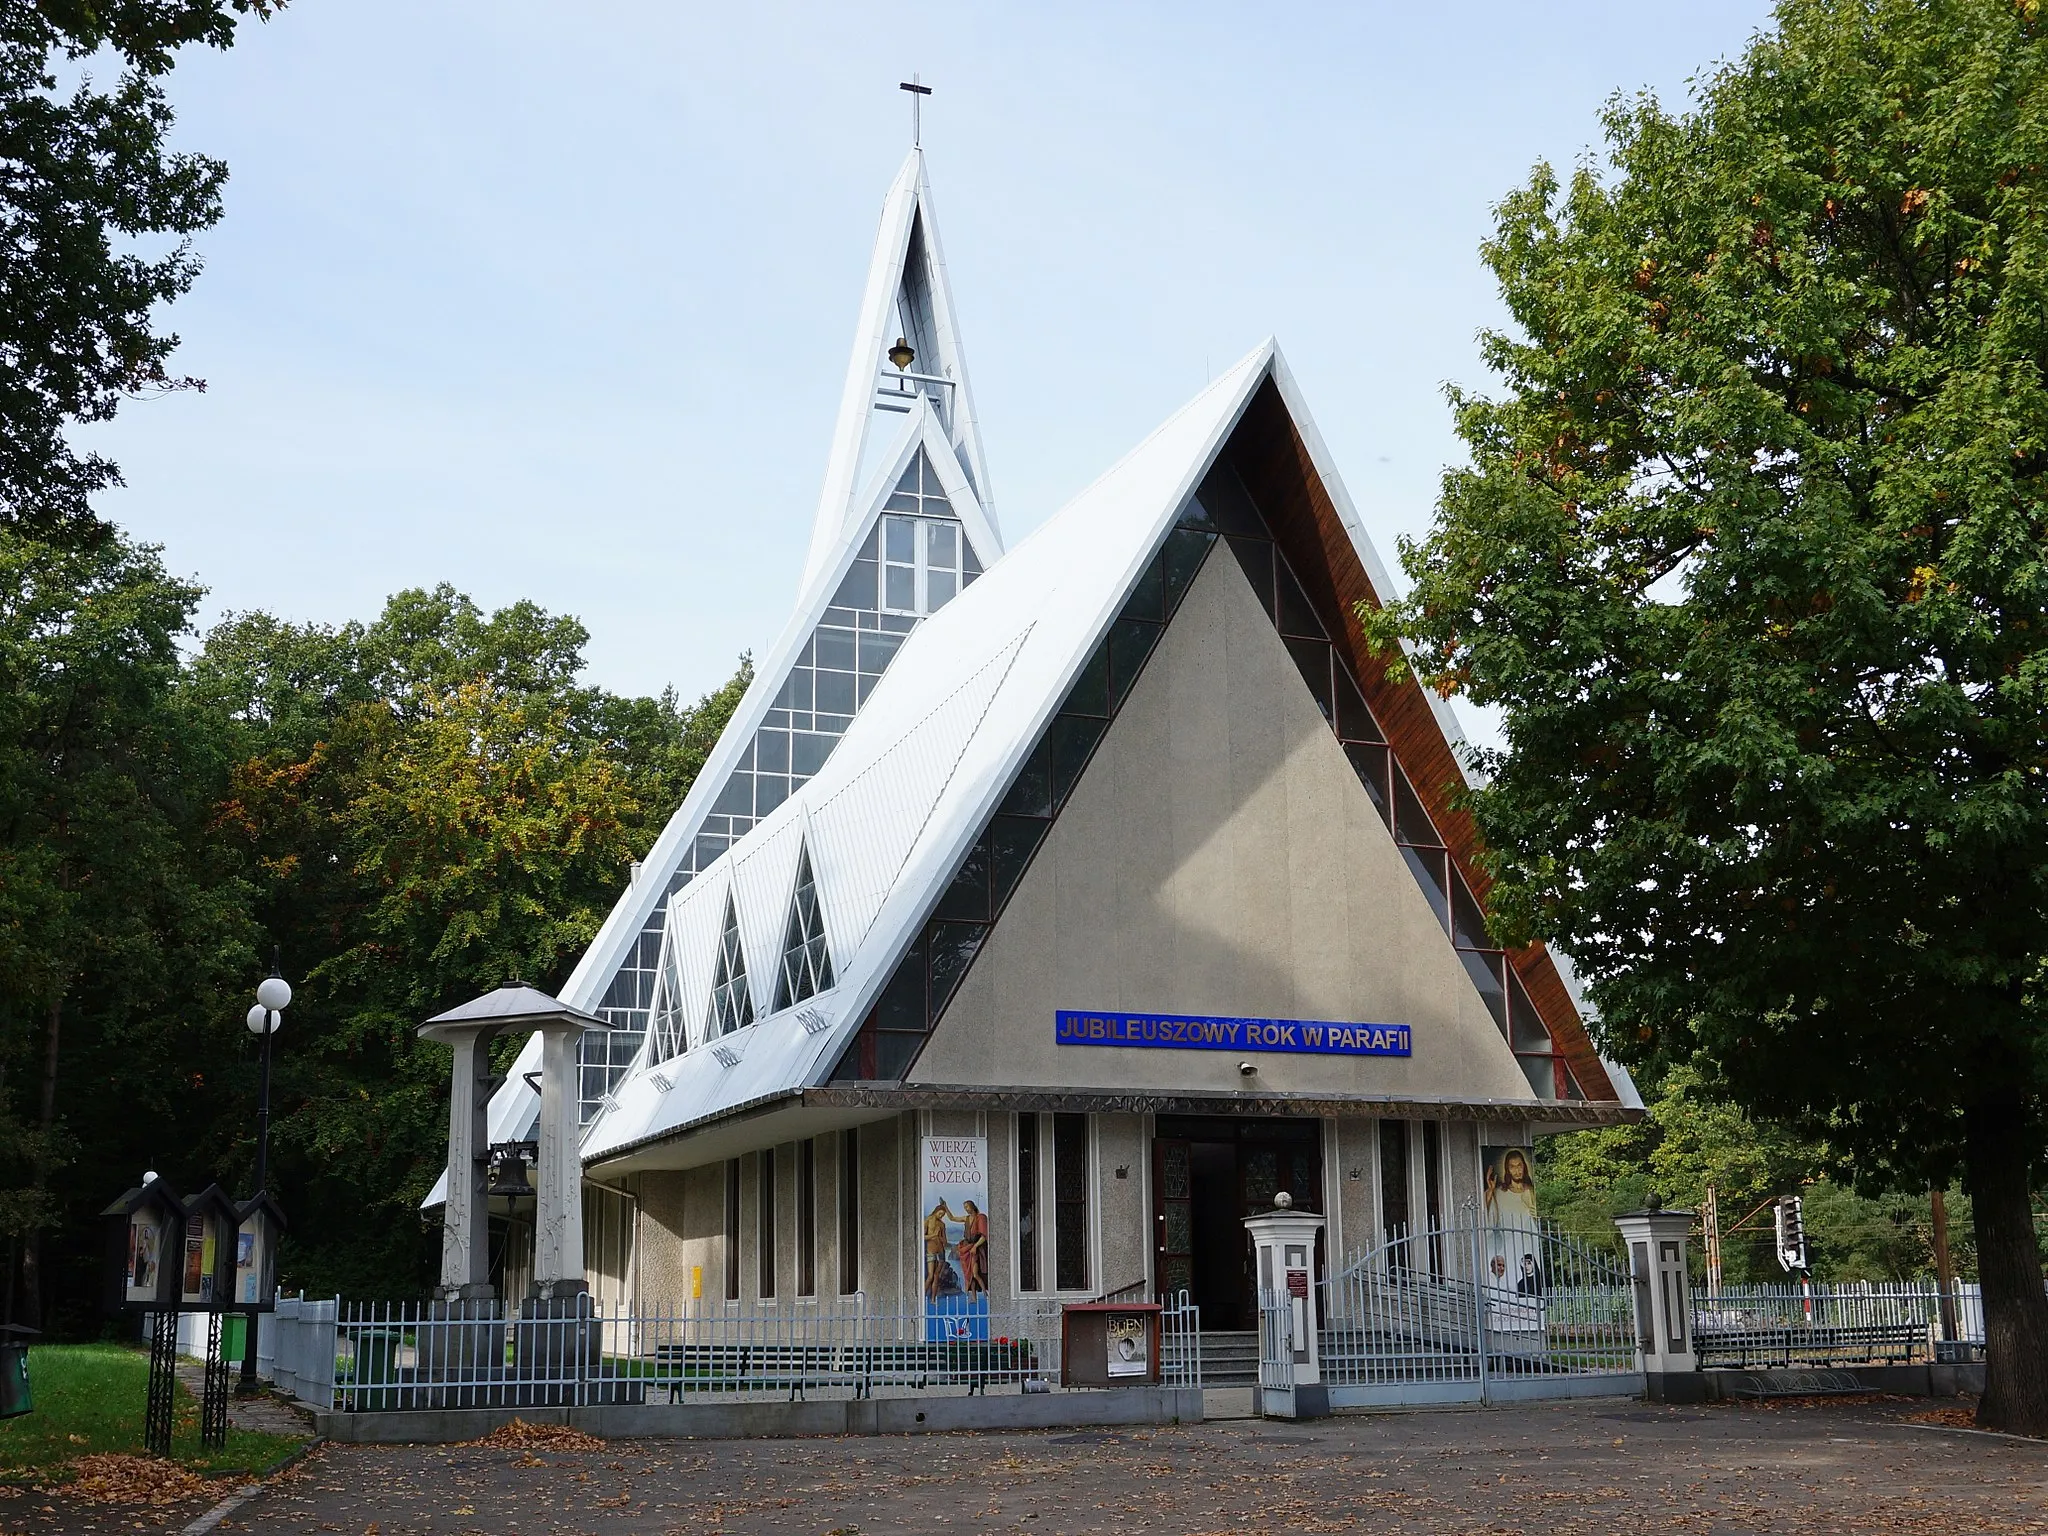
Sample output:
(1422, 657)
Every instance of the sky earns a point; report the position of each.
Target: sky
(555, 301)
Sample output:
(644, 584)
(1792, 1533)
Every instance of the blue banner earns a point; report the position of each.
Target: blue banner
(1195, 1032)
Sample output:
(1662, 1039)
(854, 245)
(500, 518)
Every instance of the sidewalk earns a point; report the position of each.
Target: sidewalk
(266, 1415)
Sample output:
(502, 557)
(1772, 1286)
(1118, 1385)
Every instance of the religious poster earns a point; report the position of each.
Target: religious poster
(954, 1206)
(1130, 1344)
(248, 1275)
(1514, 1281)
(198, 1278)
(145, 1240)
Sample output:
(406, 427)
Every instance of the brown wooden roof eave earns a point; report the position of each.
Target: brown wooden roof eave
(1268, 453)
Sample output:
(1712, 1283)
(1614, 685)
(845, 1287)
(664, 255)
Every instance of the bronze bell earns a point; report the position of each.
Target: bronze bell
(508, 1172)
(902, 354)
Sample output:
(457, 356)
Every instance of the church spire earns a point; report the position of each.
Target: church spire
(906, 348)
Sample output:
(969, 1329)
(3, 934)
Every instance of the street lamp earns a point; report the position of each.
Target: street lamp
(272, 994)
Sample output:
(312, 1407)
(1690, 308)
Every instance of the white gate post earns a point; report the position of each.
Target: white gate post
(1665, 1354)
(1284, 1257)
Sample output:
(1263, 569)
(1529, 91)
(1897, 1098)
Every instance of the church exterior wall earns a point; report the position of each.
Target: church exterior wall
(1220, 857)
(682, 1215)
(681, 1229)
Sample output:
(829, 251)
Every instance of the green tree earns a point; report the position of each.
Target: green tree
(114, 909)
(1690, 1140)
(1751, 554)
(430, 804)
(90, 177)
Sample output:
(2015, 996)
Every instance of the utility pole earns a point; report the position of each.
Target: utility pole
(1710, 1221)
(1944, 1266)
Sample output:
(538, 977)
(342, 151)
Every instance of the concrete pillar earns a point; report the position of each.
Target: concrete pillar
(465, 1236)
(468, 1030)
(558, 1178)
(1656, 1240)
(1284, 1260)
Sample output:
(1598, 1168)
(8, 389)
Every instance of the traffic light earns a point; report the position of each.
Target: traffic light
(1791, 1226)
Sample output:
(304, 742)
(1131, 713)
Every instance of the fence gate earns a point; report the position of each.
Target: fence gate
(1475, 1312)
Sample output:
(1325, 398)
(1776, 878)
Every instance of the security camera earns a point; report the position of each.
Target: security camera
(1246, 1069)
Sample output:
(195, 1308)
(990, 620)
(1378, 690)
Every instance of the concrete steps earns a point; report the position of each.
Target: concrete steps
(1230, 1358)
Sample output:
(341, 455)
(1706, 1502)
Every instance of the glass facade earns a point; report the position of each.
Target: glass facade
(828, 682)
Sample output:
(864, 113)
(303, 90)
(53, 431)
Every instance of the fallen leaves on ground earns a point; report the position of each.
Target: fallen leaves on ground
(1948, 1418)
(116, 1478)
(519, 1434)
(1820, 1400)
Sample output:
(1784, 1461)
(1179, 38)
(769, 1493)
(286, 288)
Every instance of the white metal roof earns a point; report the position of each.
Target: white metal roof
(907, 292)
(912, 781)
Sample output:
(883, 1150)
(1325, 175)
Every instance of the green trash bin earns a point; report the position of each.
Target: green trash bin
(15, 1397)
(376, 1368)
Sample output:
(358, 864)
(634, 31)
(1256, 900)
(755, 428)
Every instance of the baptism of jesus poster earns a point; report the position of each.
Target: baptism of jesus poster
(954, 1205)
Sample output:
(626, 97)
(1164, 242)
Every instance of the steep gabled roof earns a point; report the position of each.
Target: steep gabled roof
(916, 777)
(909, 295)
(888, 421)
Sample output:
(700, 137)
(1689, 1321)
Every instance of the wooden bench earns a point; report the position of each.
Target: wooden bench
(1812, 1344)
(744, 1367)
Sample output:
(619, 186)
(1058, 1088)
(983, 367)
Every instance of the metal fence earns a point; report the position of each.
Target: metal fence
(403, 1355)
(1476, 1311)
(1276, 1343)
(1841, 1324)
(1852, 1305)
(1180, 1342)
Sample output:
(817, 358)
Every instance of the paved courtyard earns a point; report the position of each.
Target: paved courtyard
(1551, 1469)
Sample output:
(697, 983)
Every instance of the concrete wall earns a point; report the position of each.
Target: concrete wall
(682, 1229)
(735, 1421)
(1220, 857)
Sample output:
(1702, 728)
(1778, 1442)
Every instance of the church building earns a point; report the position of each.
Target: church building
(1105, 880)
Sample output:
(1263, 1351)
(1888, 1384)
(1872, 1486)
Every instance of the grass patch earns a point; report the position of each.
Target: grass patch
(88, 1400)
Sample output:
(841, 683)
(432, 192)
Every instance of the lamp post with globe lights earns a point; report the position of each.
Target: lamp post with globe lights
(272, 994)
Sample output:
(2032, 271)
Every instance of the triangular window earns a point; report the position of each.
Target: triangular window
(667, 1021)
(806, 962)
(732, 1005)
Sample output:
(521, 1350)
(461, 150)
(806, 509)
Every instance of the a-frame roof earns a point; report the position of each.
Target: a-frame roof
(886, 420)
(939, 743)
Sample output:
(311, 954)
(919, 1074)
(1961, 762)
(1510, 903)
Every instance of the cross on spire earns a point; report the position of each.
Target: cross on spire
(917, 94)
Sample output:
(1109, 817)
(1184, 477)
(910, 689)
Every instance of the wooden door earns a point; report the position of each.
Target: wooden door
(1173, 1217)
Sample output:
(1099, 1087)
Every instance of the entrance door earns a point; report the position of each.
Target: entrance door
(1209, 1173)
(1173, 1219)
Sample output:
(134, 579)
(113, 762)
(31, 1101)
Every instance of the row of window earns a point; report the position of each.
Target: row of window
(1052, 1181)
(767, 1271)
(915, 560)
(1052, 1169)
(804, 970)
